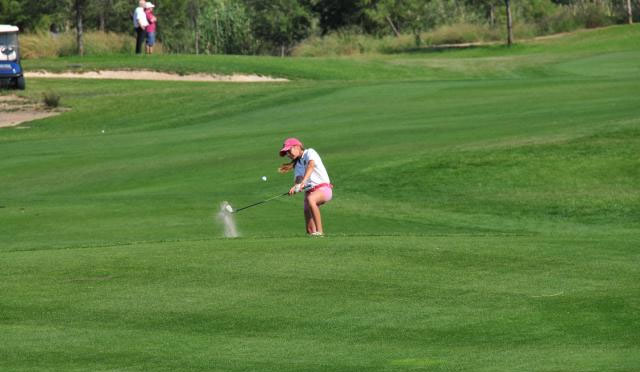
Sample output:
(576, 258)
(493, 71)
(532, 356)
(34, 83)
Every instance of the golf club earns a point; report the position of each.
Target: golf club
(231, 210)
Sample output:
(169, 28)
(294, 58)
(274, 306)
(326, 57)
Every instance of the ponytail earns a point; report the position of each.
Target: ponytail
(287, 167)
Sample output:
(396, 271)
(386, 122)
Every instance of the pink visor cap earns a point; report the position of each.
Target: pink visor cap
(288, 144)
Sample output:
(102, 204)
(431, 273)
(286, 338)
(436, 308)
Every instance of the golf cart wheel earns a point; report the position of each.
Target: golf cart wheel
(20, 83)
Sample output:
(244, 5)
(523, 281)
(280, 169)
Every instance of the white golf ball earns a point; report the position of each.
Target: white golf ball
(264, 178)
(103, 131)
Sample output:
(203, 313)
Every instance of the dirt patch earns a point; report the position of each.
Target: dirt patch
(154, 75)
(16, 110)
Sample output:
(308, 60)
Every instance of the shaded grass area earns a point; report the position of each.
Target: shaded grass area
(333, 304)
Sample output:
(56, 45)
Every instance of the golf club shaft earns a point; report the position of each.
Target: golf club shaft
(260, 202)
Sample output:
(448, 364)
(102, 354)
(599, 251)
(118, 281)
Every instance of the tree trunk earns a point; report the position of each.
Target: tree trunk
(417, 38)
(282, 48)
(629, 12)
(103, 21)
(492, 15)
(197, 37)
(194, 6)
(393, 27)
(105, 10)
(79, 28)
(509, 23)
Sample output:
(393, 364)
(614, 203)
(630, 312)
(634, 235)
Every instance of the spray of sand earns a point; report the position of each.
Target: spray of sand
(227, 220)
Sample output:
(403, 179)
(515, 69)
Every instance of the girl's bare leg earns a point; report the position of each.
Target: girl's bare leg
(315, 200)
(311, 226)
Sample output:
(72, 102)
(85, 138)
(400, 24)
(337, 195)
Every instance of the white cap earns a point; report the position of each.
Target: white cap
(149, 4)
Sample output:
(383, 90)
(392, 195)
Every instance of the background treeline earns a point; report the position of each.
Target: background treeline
(308, 27)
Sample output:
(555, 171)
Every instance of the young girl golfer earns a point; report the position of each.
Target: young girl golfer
(310, 175)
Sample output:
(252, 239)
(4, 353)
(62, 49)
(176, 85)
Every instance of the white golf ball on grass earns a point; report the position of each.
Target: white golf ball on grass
(264, 178)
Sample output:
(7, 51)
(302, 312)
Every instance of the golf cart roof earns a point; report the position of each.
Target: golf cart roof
(8, 28)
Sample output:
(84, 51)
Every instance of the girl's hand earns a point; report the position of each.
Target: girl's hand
(294, 189)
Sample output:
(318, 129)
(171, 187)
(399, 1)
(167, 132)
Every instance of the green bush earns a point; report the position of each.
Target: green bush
(579, 14)
(350, 42)
(592, 15)
(97, 43)
(51, 99)
(354, 42)
(41, 45)
(460, 33)
(562, 20)
(521, 30)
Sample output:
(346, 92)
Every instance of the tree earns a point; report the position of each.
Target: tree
(118, 15)
(79, 7)
(280, 23)
(629, 12)
(33, 15)
(418, 18)
(98, 14)
(383, 13)
(193, 7)
(507, 4)
(337, 14)
(225, 27)
(486, 8)
(11, 12)
(177, 25)
(413, 15)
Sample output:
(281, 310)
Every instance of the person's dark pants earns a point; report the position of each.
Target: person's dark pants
(140, 34)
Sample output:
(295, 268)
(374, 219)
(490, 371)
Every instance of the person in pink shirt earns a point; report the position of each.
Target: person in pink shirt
(151, 29)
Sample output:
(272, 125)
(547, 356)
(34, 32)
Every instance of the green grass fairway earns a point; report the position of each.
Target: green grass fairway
(486, 215)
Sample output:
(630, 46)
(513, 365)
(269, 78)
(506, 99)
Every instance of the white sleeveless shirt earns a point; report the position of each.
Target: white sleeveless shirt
(319, 174)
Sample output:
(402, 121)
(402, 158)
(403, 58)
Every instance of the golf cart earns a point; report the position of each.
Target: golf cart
(10, 69)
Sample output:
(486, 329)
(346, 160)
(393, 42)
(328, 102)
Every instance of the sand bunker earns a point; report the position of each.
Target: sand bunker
(15, 110)
(153, 75)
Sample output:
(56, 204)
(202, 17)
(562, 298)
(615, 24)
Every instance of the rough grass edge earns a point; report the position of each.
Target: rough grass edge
(352, 42)
(51, 45)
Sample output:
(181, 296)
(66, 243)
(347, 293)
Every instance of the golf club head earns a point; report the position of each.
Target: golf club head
(225, 207)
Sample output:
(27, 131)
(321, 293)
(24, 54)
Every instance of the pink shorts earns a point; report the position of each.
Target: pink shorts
(327, 192)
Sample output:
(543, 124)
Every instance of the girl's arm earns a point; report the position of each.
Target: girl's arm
(308, 172)
(300, 181)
